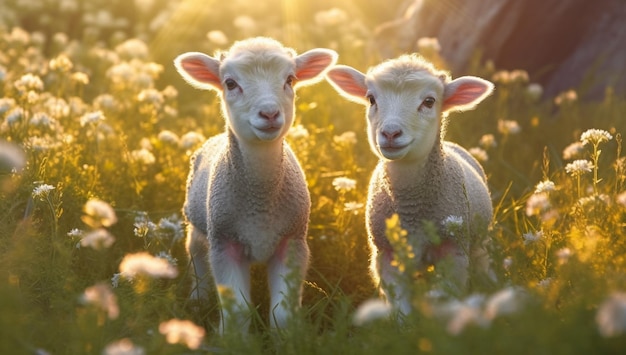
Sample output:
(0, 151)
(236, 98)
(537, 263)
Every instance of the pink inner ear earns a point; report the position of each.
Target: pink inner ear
(313, 67)
(465, 94)
(198, 70)
(347, 83)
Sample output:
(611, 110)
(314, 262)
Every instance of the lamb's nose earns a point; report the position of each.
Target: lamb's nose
(269, 115)
(392, 133)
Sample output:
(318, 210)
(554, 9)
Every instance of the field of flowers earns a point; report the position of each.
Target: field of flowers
(96, 130)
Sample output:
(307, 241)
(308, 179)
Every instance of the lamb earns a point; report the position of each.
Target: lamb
(247, 200)
(419, 176)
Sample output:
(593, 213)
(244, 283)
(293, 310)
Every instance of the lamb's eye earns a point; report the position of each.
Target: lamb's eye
(230, 84)
(371, 99)
(291, 80)
(429, 102)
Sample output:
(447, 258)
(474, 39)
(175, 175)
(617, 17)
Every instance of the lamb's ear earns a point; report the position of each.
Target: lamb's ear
(349, 82)
(310, 65)
(199, 70)
(465, 93)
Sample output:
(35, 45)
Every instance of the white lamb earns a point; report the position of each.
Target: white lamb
(247, 199)
(420, 177)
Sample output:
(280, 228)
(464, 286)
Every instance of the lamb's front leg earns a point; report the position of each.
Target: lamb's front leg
(231, 273)
(286, 271)
(198, 250)
(393, 283)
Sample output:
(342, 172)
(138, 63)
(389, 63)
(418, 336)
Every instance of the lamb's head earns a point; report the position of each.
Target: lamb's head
(256, 79)
(406, 99)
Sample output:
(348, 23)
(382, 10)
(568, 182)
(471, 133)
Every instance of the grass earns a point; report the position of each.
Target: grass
(106, 128)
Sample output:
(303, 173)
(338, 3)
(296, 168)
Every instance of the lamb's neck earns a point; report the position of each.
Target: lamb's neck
(259, 164)
(407, 178)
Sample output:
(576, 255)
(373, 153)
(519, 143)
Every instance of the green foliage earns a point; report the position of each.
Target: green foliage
(107, 127)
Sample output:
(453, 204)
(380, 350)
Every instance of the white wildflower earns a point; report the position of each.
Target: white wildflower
(353, 207)
(298, 132)
(531, 237)
(579, 167)
(611, 315)
(479, 153)
(488, 141)
(537, 204)
(29, 82)
(123, 347)
(98, 214)
(143, 263)
(98, 239)
(217, 37)
(61, 63)
(566, 97)
(191, 139)
(563, 255)
(102, 296)
(573, 151)
(132, 48)
(545, 186)
(595, 136)
(331, 17)
(115, 280)
(346, 138)
(503, 302)
(182, 331)
(344, 184)
(452, 223)
(534, 91)
(371, 310)
(91, 118)
(167, 136)
(42, 190)
(143, 156)
(508, 127)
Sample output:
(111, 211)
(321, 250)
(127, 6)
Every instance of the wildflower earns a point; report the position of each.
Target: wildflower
(534, 91)
(182, 331)
(245, 23)
(566, 97)
(595, 136)
(501, 76)
(479, 153)
(507, 262)
(167, 136)
(98, 214)
(80, 78)
(150, 96)
(545, 186)
(132, 48)
(428, 45)
(123, 347)
(331, 17)
(488, 141)
(169, 92)
(298, 132)
(6, 103)
(28, 82)
(572, 151)
(621, 199)
(74, 233)
(14, 116)
(167, 256)
(503, 302)
(57, 107)
(346, 138)
(61, 63)
(611, 315)
(463, 313)
(173, 227)
(537, 203)
(452, 224)
(507, 127)
(115, 279)
(12, 158)
(545, 283)
(143, 263)
(101, 296)
(98, 239)
(344, 184)
(563, 255)
(579, 167)
(191, 139)
(91, 118)
(143, 156)
(143, 225)
(518, 75)
(531, 237)
(371, 310)
(42, 190)
(353, 207)
(42, 119)
(217, 37)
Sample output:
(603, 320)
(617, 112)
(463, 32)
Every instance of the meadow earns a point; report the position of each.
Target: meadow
(96, 131)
